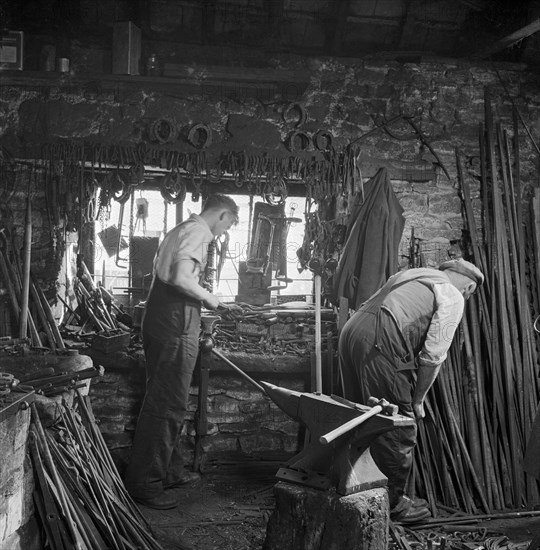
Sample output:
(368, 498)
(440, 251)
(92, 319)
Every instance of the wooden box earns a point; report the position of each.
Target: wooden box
(109, 343)
(126, 51)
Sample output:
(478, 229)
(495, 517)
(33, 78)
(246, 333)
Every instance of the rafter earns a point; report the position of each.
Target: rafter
(511, 39)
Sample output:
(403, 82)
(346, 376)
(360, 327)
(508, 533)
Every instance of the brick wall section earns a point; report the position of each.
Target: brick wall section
(240, 418)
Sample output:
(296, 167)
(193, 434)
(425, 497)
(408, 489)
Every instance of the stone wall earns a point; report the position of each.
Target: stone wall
(18, 529)
(347, 98)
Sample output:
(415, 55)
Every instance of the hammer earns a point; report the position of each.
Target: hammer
(377, 406)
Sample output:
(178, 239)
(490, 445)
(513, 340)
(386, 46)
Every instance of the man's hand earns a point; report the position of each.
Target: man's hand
(232, 310)
(211, 302)
(418, 409)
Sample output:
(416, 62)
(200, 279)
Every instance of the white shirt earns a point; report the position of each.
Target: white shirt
(189, 240)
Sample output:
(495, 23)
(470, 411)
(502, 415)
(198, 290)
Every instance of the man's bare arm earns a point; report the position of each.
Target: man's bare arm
(425, 376)
(184, 276)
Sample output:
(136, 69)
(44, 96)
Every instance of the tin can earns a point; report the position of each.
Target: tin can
(62, 64)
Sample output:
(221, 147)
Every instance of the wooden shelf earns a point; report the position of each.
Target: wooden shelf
(238, 82)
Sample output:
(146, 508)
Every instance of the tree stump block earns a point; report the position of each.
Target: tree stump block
(308, 519)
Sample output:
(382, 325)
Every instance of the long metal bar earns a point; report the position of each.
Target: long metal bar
(239, 371)
(23, 321)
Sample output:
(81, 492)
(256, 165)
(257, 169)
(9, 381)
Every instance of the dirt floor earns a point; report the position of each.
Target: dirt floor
(226, 512)
(228, 509)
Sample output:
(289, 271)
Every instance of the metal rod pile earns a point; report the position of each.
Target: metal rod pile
(472, 443)
(92, 308)
(48, 382)
(34, 311)
(79, 495)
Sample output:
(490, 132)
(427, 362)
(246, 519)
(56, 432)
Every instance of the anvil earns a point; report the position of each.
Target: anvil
(345, 463)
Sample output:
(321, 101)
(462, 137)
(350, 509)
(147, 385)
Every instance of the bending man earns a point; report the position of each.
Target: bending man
(393, 347)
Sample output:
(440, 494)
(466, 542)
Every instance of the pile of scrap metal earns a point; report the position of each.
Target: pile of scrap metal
(80, 498)
(459, 531)
(285, 330)
(96, 317)
(47, 381)
(11, 402)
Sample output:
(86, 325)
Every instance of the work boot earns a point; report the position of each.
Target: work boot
(413, 502)
(405, 511)
(162, 501)
(185, 478)
(419, 502)
(412, 515)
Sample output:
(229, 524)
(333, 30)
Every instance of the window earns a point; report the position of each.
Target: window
(146, 217)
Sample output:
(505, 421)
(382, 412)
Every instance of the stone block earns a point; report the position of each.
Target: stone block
(27, 537)
(260, 441)
(118, 440)
(11, 512)
(13, 433)
(307, 519)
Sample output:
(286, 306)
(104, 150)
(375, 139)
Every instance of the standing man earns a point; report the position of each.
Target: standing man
(393, 348)
(170, 329)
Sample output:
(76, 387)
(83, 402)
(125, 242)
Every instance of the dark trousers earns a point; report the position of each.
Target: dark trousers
(375, 362)
(171, 345)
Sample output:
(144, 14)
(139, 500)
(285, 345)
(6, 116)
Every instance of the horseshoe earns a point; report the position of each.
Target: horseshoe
(322, 140)
(173, 188)
(297, 141)
(288, 114)
(163, 130)
(195, 139)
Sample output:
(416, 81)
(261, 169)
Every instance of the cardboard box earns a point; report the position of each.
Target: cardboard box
(126, 52)
(11, 50)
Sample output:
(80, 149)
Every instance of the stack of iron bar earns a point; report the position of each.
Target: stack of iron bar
(47, 382)
(79, 496)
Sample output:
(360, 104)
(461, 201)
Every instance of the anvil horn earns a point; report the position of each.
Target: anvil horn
(286, 400)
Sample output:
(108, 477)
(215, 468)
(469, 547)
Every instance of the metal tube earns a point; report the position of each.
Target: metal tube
(26, 271)
(239, 371)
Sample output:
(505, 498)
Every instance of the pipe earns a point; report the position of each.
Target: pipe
(239, 371)
(318, 338)
(26, 270)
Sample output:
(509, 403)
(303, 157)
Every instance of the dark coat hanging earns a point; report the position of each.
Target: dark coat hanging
(370, 254)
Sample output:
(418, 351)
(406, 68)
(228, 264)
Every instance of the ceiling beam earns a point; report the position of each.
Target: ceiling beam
(407, 23)
(337, 21)
(208, 21)
(275, 14)
(511, 39)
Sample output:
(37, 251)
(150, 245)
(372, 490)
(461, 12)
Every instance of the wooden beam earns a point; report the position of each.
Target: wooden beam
(405, 20)
(337, 22)
(275, 10)
(476, 5)
(511, 39)
(142, 16)
(208, 21)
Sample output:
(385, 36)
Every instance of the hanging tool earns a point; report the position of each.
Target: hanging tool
(119, 242)
(259, 264)
(281, 276)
